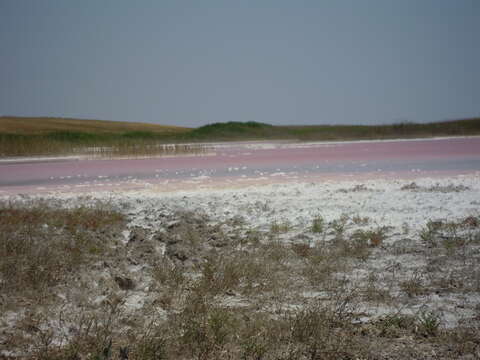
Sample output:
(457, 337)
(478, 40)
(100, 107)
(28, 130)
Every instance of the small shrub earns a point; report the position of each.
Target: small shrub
(360, 220)
(395, 325)
(413, 286)
(167, 273)
(412, 186)
(318, 224)
(338, 226)
(429, 323)
(374, 292)
(430, 232)
(322, 332)
(280, 228)
(373, 238)
(320, 266)
(203, 329)
(471, 222)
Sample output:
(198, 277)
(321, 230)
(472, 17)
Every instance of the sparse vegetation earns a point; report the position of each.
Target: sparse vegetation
(40, 245)
(318, 224)
(371, 238)
(413, 286)
(435, 188)
(83, 281)
(429, 322)
(131, 144)
(280, 227)
(52, 136)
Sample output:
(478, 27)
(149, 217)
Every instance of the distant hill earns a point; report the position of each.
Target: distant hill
(258, 131)
(26, 136)
(44, 125)
(233, 130)
(98, 131)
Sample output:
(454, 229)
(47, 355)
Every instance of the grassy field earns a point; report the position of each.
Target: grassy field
(46, 125)
(54, 136)
(92, 138)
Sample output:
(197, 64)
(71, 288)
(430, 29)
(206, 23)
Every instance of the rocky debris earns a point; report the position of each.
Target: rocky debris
(124, 283)
(302, 237)
(220, 243)
(179, 252)
(435, 188)
(173, 224)
(471, 222)
(218, 240)
(448, 188)
(188, 237)
(412, 186)
(144, 252)
(356, 188)
(137, 234)
(160, 236)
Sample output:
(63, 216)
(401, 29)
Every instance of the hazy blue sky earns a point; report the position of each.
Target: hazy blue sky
(282, 62)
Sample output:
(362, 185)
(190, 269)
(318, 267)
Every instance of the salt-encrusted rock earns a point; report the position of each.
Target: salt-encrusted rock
(124, 283)
(178, 251)
(137, 234)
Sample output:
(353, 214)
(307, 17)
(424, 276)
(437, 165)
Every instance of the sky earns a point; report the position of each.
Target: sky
(190, 63)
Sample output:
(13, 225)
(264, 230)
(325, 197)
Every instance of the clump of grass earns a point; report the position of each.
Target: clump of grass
(413, 286)
(40, 245)
(280, 227)
(375, 292)
(320, 265)
(167, 273)
(318, 224)
(429, 322)
(339, 226)
(373, 238)
(425, 323)
(412, 186)
(325, 332)
(83, 332)
(202, 329)
(396, 325)
(435, 188)
(471, 222)
(240, 271)
(430, 232)
(360, 220)
(356, 188)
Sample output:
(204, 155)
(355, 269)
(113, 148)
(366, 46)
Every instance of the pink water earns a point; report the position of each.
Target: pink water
(238, 164)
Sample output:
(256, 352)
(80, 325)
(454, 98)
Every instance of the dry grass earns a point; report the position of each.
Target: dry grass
(45, 125)
(93, 146)
(41, 246)
(21, 136)
(221, 290)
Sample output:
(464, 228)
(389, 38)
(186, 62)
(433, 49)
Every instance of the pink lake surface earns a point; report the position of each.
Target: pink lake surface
(240, 164)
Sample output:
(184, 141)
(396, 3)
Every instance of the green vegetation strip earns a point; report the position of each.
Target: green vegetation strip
(147, 143)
